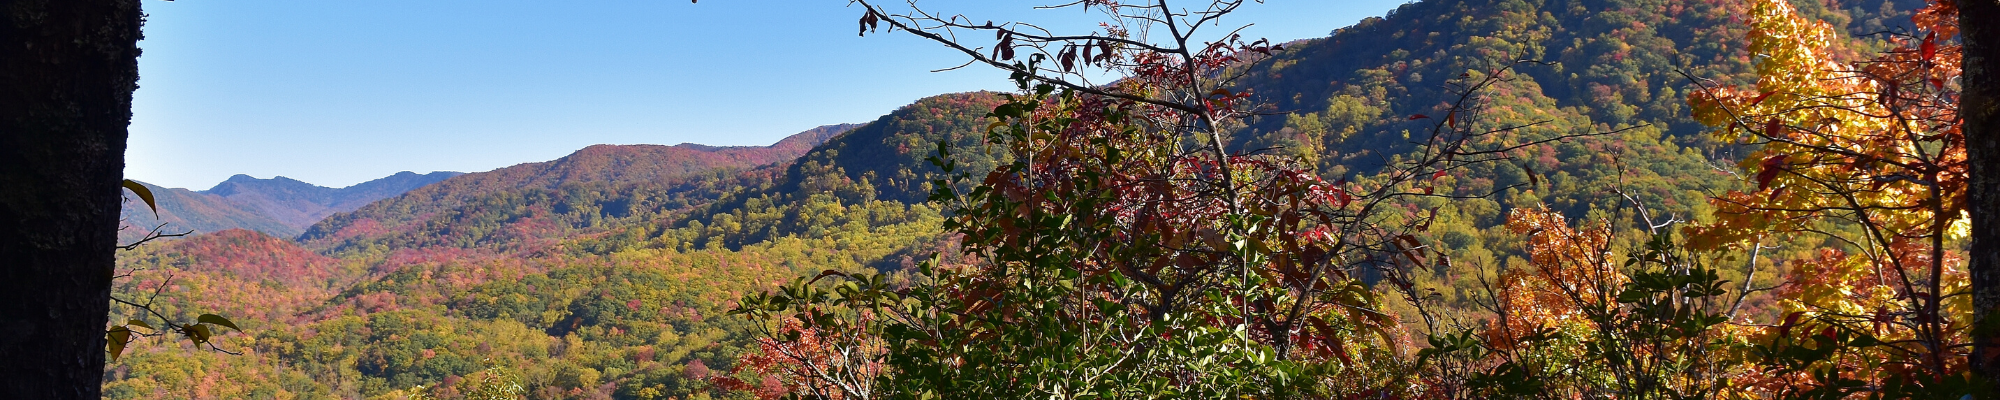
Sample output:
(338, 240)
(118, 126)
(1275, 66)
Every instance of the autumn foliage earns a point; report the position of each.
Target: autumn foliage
(1868, 153)
(1402, 210)
(1112, 225)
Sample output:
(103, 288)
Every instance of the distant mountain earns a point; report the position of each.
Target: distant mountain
(278, 206)
(299, 204)
(183, 210)
(533, 201)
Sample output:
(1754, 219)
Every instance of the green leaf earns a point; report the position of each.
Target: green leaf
(139, 322)
(1632, 295)
(197, 333)
(217, 320)
(145, 195)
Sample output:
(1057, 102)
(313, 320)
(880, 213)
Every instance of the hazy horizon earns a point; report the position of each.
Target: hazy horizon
(337, 93)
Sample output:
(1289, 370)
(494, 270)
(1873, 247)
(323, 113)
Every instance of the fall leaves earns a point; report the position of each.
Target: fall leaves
(1868, 154)
(1569, 266)
(1874, 143)
(1116, 241)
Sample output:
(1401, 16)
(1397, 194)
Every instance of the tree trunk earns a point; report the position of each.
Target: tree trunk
(1979, 107)
(67, 72)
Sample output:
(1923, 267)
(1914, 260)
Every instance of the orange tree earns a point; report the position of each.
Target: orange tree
(1580, 321)
(836, 358)
(1870, 155)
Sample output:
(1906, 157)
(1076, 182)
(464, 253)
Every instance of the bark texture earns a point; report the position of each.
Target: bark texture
(1979, 106)
(67, 72)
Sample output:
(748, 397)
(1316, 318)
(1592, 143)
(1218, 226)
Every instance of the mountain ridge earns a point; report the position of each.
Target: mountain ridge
(586, 186)
(278, 206)
(299, 204)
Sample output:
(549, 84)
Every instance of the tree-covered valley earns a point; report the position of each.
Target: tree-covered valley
(1635, 167)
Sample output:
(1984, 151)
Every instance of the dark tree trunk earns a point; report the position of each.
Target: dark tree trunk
(1979, 106)
(67, 72)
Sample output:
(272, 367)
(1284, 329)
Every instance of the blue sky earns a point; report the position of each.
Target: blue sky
(339, 92)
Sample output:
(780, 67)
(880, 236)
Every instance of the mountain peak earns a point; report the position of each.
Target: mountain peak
(698, 147)
(238, 179)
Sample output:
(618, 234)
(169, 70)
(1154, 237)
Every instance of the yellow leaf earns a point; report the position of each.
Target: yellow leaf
(115, 341)
(145, 195)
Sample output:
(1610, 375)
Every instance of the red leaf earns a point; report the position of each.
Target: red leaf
(1332, 339)
(1774, 128)
(1006, 46)
(1772, 165)
(1937, 83)
(869, 22)
(1791, 320)
(1760, 98)
(1068, 59)
(1888, 95)
(1929, 48)
(1414, 117)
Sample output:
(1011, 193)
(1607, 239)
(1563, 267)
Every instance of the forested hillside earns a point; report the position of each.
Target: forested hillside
(531, 205)
(517, 252)
(873, 179)
(1597, 66)
(1575, 67)
(611, 272)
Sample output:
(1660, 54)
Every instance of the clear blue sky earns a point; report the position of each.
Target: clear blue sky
(339, 92)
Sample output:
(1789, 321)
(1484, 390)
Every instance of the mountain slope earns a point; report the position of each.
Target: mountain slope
(538, 202)
(240, 273)
(1352, 99)
(860, 185)
(185, 210)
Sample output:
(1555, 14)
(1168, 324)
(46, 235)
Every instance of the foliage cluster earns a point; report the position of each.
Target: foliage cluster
(1112, 206)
